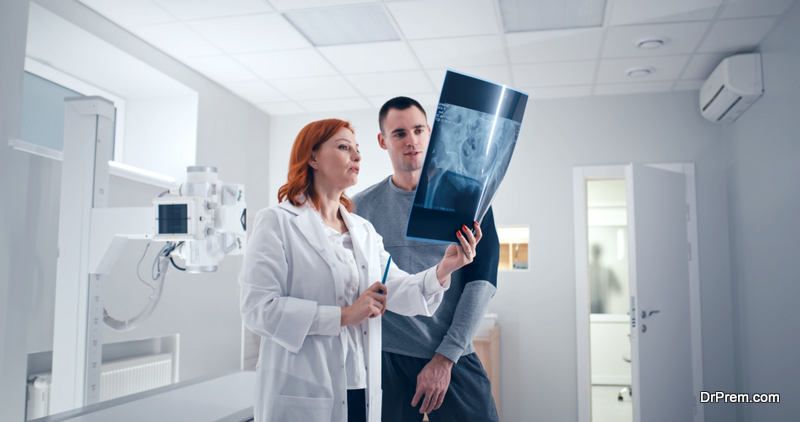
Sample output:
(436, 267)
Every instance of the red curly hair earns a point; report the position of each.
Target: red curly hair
(300, 180)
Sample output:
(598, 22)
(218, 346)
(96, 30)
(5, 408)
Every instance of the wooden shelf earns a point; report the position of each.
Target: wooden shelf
(507, 255)
(488, 350)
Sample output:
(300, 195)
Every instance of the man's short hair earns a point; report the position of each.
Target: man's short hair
(398, 103)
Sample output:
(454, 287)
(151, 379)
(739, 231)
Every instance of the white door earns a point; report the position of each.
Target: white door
(659, 285)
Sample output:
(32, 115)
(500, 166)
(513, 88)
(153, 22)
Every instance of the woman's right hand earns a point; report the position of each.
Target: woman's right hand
(369, 305)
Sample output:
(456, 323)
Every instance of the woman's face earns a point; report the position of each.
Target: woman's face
(337, 161)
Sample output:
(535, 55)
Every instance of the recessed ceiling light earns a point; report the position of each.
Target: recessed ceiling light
(343, 25)
(639, 72)
(540, 15)
(650, 43)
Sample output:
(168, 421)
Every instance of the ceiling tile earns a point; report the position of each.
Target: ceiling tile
(737, 35)
(701, 65)
(282, 108)
(305, 4)
(220, 68)
(541, 15)
(554, 46)
(392, 83)
(287, 64)
(754, 8)
(200, 9)
(419, 19)
(664, 68)
(627, 12)
(130, 12)
(496, 74)
(250, 33)
(344, 25)
(559, 91)
(690, 85)
(256, 92)
(371, 57)
(336, 105)
(554, 74)
(679, 38)
(464, 51)
(323, 87)
(635, 88)
(177, 40)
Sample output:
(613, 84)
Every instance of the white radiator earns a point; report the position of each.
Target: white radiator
(125, 377)
(38, 396)
(117, 379)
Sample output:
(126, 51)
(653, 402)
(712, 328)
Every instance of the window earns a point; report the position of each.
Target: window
(156, 115)
(43, 92)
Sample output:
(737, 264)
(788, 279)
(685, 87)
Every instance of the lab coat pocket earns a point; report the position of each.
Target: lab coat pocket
(375, 405)
(291, 408)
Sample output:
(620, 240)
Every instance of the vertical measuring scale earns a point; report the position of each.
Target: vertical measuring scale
(94, 321)
(94, 339)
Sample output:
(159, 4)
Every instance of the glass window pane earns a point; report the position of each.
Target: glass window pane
(43, 112)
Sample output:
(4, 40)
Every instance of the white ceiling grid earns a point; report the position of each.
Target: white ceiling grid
(249, 47)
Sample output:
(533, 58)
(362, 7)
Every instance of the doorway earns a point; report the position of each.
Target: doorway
(609, 319)
(615, 359)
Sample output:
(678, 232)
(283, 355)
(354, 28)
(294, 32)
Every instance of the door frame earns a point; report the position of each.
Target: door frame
(580, 175)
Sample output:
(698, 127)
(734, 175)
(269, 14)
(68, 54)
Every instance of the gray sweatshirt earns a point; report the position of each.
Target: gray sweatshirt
(450, 330)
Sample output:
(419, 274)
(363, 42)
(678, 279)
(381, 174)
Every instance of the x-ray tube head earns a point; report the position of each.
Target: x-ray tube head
(209, 217)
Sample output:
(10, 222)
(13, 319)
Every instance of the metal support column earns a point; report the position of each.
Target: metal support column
(77, 337)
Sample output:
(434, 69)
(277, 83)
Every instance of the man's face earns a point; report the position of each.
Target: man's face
(405, 135)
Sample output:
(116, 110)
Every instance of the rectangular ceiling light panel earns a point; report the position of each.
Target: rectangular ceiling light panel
(540, 15)
(343, 25)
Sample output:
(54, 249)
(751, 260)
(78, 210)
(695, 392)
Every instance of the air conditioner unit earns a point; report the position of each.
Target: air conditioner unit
(732, 87)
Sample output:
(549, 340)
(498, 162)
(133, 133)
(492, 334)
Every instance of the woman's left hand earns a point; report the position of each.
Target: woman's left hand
(459, 255)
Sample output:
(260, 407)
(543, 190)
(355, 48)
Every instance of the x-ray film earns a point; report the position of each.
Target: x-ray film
(474, 133)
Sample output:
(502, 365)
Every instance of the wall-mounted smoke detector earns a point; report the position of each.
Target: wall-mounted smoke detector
(639, 72)
(651, 43)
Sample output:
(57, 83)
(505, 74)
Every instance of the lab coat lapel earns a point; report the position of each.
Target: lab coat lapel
(306, 223)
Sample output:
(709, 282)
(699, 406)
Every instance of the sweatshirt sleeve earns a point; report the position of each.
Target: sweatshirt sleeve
(480, 278)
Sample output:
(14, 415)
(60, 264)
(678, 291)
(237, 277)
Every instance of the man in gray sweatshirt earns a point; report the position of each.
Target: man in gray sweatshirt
(429, 363)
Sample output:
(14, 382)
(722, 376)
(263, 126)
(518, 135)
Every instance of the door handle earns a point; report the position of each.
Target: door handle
(645, 314)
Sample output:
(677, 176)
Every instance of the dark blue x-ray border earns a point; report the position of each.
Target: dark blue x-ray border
(477, 94)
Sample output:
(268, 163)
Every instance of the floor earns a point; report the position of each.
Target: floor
(606, 406)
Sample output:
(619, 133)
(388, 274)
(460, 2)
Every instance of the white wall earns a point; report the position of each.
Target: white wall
(15, 267)
(231, 135)
(160, 134)
(536, 308)
(763, 151)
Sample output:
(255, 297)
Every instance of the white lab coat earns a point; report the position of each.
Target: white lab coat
(289, 276)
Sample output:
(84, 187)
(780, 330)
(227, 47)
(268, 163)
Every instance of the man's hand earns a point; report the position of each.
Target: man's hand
(432, 382)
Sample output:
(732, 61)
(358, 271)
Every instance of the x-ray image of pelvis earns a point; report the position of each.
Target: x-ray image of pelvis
(468, 160)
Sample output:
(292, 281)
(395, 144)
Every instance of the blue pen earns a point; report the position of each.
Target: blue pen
(386, 272)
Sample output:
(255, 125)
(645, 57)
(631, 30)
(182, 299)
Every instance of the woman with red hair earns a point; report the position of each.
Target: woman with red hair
(311, 288)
